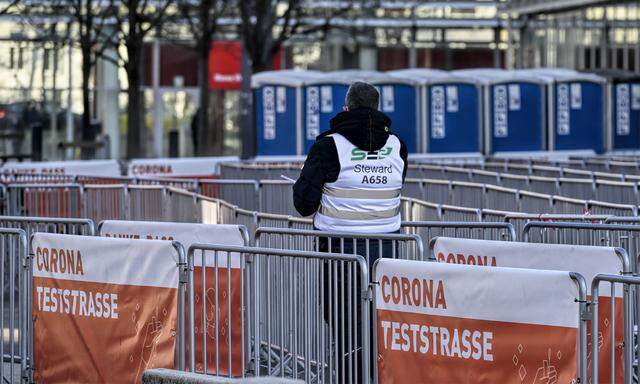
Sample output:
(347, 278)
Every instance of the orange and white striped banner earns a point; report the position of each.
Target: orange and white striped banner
(104, 309)
(445, 323)
(226, 286)
(586, 260)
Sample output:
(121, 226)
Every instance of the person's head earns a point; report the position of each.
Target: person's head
(361, 95)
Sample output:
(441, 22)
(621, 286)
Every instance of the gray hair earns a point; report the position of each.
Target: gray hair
(361, 94)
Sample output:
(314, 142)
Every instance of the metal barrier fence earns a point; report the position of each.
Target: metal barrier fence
(519, 220)
(627, 282)
(578, 233)
(371, 246)
(603, 186)
(289, 333)
(44, 200)
(259, 171)
(486, 196)
(64, 226)
(427, 230)
(16, 346)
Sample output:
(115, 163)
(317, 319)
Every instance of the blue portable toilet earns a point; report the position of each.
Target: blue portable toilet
(623, 109)
(576, 109)
(324, 98)
(450, 111)
(514, 108)
(278, 116)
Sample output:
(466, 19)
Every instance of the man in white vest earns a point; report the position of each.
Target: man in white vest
(354, 172)
(351, 182)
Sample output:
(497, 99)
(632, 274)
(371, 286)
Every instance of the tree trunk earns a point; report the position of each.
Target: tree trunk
(247, 123)
(210, 134)
(135, 143)
(87, 134)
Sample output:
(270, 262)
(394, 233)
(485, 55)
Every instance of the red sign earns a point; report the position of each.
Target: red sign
(225, 65)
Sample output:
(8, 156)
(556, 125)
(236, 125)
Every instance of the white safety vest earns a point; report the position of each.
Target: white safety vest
(366, 196)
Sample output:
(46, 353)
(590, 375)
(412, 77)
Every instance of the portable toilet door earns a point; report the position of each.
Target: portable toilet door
(277, 106)
(514, 110)
(577, 110)
(450, 111)
(399, 100)
(625, 112)
(623, 109)
(322, 99)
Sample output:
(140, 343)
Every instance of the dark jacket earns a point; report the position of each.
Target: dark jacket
(367, 129)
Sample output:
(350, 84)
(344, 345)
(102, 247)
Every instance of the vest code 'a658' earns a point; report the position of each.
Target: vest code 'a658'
(374, 179)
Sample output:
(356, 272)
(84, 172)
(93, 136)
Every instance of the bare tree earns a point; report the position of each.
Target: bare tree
(202, 19)
(137, 19)
(96, 33)
(265, 25)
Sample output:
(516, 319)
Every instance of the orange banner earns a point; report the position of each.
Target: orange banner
(93, 332)
(419, 348)
(219, 361)
(105, 310)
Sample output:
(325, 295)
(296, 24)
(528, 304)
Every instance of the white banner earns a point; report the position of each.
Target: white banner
(104, 309)
(447, 323)
(184, 233)
(180, 167)
(586, 260)
(102, 168)
(228, 280)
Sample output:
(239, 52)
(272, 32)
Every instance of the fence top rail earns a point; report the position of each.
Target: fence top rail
(430, 181)
(345, 235)
(419, 202)
(53, 220)
(105, 186)
(568, 199)
(148, 187)
(498, 188)
(462, 224)
(604, 204)
(579, 225)
(555, 216)
(622, 219)
(44, 186)
(229, 181)
(615, 183)
(456, 208)
(15, 231)
(457, 224)
(496, 212)
(571, 180)
(275, 182)
(277, 252)
(535, 194)
(264, 165)
(548, 179)
(603, 277)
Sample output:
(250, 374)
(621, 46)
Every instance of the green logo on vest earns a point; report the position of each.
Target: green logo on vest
(359, 155)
